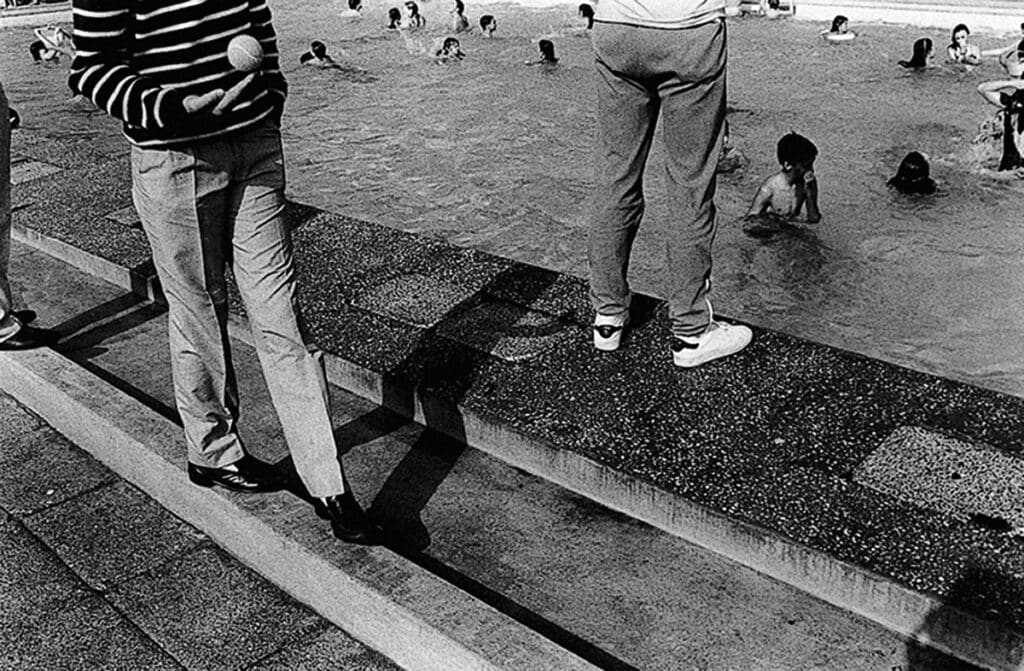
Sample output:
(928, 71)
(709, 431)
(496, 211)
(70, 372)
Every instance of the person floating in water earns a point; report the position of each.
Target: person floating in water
(773, 9)
(51, 43)
(413, 19)
(781, 197)
(840, 30)
(547, 54)
(488, 24)
(394, 18)
(587, 12)
(317, 56)
(922, 55)
(960, 50)
(450, 51)
(912, 176)
(1011, 57)
(460, 23)
(1008, 96)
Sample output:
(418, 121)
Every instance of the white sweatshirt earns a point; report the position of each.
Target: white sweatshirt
(660, 13)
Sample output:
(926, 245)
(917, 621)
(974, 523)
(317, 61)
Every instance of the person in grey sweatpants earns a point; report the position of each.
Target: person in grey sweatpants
(662, 58)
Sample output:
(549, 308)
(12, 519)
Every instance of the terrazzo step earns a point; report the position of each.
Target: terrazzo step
(759, 457)
(508, 569)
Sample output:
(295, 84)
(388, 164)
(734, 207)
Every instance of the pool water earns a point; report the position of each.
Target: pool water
(493, 154)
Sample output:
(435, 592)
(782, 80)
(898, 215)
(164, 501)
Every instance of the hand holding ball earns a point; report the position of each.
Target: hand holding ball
(245, 53)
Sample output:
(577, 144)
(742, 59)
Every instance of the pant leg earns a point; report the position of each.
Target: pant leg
(180, 198)
(627, 113)
(693, 117)
(9, 325)
(264, 270)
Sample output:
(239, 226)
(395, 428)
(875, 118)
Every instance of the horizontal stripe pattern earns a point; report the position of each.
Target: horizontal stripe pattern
(140, 59)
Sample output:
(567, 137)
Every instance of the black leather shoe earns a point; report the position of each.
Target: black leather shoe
(245, 475)
(348, 521)
(29, 337)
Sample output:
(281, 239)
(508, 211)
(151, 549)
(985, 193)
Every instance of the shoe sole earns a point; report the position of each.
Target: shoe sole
(203, 481)
(609, 344)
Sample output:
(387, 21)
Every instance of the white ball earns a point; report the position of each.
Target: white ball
(245, 53)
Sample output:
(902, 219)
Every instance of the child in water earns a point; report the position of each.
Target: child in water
(394, 19)
(450, 51)
(460, 23)
(960, 50)
(587, 12)
(488, 24)
(781, 197)
(547, 54)
(317, 56)
(840, 30)
(913, 175)
(1008, 96)
(413, 19)
(921, 56)
(52, 43)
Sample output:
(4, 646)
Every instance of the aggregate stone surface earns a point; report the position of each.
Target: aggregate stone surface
(26, 170)
(328, 651)
(87, 635)
(33, 581)
(74, 209)
(415, 299)
(949, 475)
(113, 533)
(127, 216)
(46, 470)
(209, 611)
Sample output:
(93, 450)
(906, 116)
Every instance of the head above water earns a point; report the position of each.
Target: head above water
(450, 44)
(318, 48)
(839, 24)
(547, 51)
(959, 35)
(913, 175)
(794, 149)
(412, 8)
(922, 52)
(488, 23)
(460, 7)
(586, 11)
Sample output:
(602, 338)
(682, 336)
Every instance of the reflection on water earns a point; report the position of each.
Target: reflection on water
(492, 154)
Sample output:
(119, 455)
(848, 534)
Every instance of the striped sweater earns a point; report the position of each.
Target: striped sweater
(139, 59)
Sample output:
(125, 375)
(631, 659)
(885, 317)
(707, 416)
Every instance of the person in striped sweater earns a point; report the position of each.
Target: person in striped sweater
(208, 183)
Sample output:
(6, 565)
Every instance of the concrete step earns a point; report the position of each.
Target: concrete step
(995, 15)
(486, 566)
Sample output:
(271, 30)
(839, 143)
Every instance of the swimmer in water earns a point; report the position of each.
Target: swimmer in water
(781, 197)
(922, 55)
(394, 19)
(317, 56)
(1008, 96)
(1011, 57)
(52, 42)
(840, 30)
(587, 12)
(488, 24)
(460, 23)
(547, 54)
(912, 176)
(960, 50)
(450, 51)
(413, 20)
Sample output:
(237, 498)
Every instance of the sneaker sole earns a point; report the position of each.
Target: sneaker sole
(708, 356)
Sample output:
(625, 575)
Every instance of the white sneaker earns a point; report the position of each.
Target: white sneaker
(608, 331)
(719, 340)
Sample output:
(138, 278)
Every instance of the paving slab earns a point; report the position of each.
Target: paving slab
(110, 534)
(326, 651)
(241, 618)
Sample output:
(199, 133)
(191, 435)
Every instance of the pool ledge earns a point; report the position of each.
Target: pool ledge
(780, 457)
(994, 16)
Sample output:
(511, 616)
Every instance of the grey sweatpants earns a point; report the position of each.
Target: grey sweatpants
(679, 75)
(9, 325)
(203, 207)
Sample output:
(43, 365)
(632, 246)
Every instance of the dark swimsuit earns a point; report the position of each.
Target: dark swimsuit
(1014, 108)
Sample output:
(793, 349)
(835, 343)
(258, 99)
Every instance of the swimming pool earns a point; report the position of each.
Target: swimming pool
(495, 155)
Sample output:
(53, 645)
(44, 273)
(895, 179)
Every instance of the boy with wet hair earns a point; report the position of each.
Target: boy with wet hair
(784, 194)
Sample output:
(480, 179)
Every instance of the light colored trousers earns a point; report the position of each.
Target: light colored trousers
(206, 206)
(679, 75)
(9, 325)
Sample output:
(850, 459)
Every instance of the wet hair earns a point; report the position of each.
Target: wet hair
(14, 118)
(36, 49)
(587, 12)
(460, 7)
(952, 36)
(355, 5)
(837, 23)
(919, 58)
(547, 51)
(318, 49)
(794, 148)
(394, 17)
(774, 4)
(414, 9)
(1013, 124)
(485, 21)
(912, 176)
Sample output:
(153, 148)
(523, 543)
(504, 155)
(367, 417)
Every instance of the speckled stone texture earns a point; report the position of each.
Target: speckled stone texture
(962, 479)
